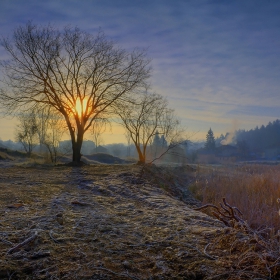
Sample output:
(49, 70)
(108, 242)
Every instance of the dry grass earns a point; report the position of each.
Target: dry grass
(254, 189)
(107, 222)
(100, 222)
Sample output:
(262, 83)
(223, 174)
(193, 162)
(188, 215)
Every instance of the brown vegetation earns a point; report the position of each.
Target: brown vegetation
(254, 189)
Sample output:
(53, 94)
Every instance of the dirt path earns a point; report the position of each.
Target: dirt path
(103, 222)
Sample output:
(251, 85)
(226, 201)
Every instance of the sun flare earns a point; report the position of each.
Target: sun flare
(80, 106)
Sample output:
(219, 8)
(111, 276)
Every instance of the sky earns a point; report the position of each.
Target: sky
(217, 62)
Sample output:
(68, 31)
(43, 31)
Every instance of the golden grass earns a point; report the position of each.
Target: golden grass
(254, 189)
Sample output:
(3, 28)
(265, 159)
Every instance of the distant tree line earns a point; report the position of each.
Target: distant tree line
(261, 139)
(257, 142)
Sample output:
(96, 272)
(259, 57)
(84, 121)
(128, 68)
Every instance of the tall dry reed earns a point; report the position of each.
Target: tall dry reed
(254, 189)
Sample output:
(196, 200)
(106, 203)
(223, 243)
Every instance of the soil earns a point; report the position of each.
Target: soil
(110, 222)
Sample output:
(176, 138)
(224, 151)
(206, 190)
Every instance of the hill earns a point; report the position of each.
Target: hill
(9, 154)
(104, 158)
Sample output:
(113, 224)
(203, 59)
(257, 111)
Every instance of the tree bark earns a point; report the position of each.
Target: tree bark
(76, 148)
(141, 156)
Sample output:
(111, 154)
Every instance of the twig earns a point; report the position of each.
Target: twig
(204, 251)
(40, 254)
(6, 241)
(204, 254)
(226, 213)
(52, 238)
(76, 202)
(26, 241)
(206, 206)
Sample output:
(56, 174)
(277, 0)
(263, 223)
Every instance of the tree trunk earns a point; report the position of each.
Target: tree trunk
(76, 148)
(76, 141)
(141, 156)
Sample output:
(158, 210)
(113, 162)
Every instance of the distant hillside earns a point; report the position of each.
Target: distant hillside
(12, 153)
(106, 158)
(2, 146)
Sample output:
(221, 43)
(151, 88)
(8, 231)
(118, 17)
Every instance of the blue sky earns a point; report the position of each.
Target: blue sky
(217, 62)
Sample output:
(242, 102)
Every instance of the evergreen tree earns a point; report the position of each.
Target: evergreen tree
(210, 141)
(156, 141)
(163, 142)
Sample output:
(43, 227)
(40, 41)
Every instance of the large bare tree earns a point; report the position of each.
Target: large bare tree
(76, 73)
(146, 116)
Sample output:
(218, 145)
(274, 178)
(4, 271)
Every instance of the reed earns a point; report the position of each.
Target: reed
(254, 189)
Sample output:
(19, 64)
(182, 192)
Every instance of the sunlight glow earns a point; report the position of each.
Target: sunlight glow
(81, 106)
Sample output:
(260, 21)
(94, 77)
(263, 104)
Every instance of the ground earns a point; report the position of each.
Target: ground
(109, 222)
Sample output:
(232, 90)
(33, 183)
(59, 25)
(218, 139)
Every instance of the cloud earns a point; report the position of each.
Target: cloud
(216, 60)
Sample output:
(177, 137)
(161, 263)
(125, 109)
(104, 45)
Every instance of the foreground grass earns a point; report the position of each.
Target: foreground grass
(254, 189)
(120, 222)
(102, 222)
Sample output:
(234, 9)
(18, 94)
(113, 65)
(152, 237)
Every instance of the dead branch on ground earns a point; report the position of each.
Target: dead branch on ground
(226, 213)
(26, 241)
(259, 252)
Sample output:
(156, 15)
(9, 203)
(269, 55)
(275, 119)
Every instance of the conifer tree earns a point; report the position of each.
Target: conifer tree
(210, 144)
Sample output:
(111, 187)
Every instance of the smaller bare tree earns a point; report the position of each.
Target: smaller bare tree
(50, 128)
(147, 115)
(55, 129)
(42, 118)
(26, 131)
(98, 128)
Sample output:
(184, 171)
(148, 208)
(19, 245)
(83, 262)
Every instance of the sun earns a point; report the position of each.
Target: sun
(80, 106)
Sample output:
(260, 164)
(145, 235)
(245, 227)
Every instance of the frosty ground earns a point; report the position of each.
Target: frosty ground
(111, 222)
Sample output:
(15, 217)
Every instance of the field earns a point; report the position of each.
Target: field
(119, 222)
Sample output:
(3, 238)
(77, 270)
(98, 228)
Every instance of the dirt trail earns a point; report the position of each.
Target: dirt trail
(104, 222)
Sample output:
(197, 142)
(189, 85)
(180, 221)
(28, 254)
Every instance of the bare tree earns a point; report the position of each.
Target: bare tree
(98, 127)
(26, 131)
(77, 74)
(128, 139)
(53, 135)
(147, 115)
(50, 128)
(42, 124)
